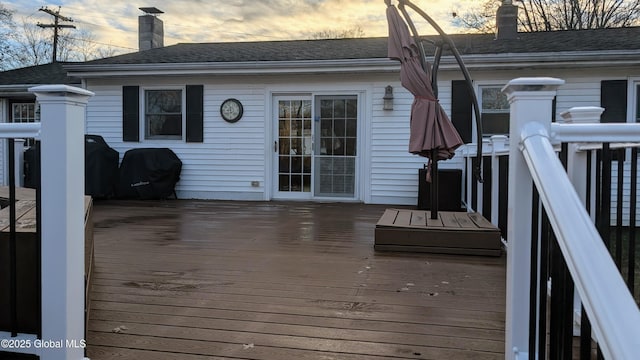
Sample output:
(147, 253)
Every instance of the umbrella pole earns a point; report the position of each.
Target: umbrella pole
(434, 184)
(433, 165)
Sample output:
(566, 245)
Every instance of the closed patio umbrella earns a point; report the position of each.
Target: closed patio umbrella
(432, 134)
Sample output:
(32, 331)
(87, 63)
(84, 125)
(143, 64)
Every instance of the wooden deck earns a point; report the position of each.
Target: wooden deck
(450, 233)
(272, 280)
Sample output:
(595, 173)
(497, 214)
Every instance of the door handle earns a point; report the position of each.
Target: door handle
(275, 146)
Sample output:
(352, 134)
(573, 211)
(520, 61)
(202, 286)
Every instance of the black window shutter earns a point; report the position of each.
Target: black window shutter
(462, 109)
(195, 110)
(130, 113)
(613, 98)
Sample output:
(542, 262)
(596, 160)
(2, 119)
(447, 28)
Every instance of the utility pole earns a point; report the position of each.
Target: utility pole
(56, 25)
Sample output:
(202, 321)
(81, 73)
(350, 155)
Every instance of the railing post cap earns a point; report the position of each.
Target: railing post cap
(582, 114)
(532, 84)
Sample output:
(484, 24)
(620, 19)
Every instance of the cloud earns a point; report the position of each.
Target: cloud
(115, 21)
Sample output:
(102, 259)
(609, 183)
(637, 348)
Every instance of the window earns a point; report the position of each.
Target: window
(495, 110)
(163, 114)
(166, 109)
(24, 113)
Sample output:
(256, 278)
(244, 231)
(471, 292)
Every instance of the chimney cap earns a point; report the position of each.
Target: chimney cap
(151, 10)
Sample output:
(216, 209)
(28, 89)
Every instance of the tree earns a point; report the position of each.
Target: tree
(83, 46)
(31, 46)
(7, 29)
(549, 15)
(353, 32)
(27, 44)
(480, 18)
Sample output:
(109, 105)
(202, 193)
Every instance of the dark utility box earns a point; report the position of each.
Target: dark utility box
(449, 190)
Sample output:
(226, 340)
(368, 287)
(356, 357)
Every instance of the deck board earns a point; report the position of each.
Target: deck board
(418, 218)
(435, 223)
(403, 218)
(202, 280)
(449, 220)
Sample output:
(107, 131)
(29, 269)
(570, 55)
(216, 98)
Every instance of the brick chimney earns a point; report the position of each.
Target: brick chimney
(507, 21)
(150, 29)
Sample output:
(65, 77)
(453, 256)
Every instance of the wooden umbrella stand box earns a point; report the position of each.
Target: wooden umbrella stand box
(451, 233)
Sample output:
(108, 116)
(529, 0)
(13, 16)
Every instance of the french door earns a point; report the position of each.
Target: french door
(315, 147)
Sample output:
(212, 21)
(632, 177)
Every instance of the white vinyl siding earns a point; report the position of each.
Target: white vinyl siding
(626, 194)
(223, 166)
(394, 171)
(578, 91)
(233, 156)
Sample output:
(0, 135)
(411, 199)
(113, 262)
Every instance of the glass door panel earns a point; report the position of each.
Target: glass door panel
(294, 146)
(336, 149)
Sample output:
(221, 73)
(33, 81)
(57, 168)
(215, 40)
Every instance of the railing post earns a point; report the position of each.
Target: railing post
(577, 160)
(531, 101)
(577, 172)
(62, 170)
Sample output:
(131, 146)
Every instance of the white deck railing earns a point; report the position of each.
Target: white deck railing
(613, 313)
(61, 135)
(495, 147)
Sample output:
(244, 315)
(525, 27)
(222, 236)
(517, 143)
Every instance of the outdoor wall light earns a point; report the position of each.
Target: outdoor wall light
(388, 98)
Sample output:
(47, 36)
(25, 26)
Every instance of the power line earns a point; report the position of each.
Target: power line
(100, 43)
(56, 25)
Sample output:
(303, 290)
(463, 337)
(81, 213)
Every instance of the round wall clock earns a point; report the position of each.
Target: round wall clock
(231, 110)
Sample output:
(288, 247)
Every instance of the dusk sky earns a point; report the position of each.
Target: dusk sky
(114, 22)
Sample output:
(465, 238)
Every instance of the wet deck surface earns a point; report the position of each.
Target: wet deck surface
(274, 280)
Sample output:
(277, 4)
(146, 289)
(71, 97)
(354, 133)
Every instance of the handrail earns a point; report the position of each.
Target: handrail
(607, 132)
(613, 313)
(20, 130)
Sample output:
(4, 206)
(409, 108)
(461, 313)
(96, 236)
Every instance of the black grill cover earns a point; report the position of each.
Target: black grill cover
(149, 173)
(100, 167)
(31, 168)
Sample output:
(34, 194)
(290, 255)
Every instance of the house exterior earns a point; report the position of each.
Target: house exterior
(310, 121)
(17, 104)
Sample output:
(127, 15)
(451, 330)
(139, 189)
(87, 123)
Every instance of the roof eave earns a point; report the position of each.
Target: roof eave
(573, 59)
(234, 68)
(16, 90)
(503, 61)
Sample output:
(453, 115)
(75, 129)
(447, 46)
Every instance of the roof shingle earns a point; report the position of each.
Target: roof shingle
(369, 48)
(52, 73)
